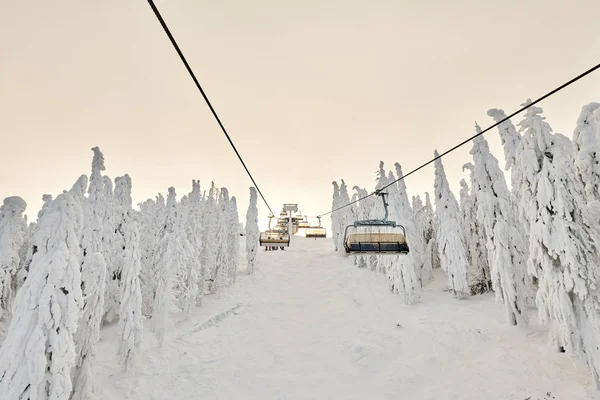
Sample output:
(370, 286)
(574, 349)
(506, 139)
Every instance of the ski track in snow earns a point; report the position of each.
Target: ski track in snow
(308, 324)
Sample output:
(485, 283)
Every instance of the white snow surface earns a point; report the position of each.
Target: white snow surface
(308, 324)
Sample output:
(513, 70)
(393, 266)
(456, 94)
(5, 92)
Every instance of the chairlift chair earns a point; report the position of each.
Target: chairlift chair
(316, 231)
(380, 242)
(274, 237)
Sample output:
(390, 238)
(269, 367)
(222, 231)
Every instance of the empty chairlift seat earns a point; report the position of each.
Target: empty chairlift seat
(379, 235)
(303, 224)
(315, 232)
(274, 238)
(376, 242)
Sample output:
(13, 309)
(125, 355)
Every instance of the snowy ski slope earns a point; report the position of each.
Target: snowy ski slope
(310, 325)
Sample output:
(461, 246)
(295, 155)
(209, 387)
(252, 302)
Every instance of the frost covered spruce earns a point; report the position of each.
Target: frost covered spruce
(450, 238)
(252, 232)
(38, 354)
(13, 237)
(130, 265)
(563, 250)
(494, 211)
(405, 269)
(93, 277)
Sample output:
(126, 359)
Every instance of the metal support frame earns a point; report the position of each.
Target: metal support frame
(289, 208)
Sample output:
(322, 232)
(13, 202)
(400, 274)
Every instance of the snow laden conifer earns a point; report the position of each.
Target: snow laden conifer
(223, 254)
(25, 254)
(563, 254)
(475, 237)
(194, 224)
(38, 354)
(335, 220)
(432, 256)
(587, 152)
(32, 248)
(210, 216)
(252, 231)
(342, 217)
(495, 212)
(130, 265)
(78, 189)
(405, 270)
(420, 218)
(234, 241)
(450, 239)
(511, 143)
(189, 267)
(111, 239)
(169, 258)
(13, 236)
(430, 218)
(422, 229)
(93, 276)
(148, 227)
(407, 215)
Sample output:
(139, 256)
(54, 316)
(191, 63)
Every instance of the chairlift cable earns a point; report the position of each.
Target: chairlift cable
(189, 69)
(559, 88)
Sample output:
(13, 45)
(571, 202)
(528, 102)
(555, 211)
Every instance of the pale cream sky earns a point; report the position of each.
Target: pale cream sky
(310, 91)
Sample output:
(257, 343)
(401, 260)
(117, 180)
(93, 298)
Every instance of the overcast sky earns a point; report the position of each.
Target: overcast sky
(310, 91)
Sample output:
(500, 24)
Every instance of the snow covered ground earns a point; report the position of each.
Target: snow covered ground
(310, 325)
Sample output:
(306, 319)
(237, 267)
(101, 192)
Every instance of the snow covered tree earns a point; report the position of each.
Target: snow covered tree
(475, 237)
(511, 142)
(234, 240)
(563, 254)
(169, 258)
(420, 220)
(32, 248)
(194, 225)
(88, 333)
(495, 212)
(408, 217)
(131, 320)
(189, 264)
(13, 236)
(111, 248)
(450, 238)
(429, 262)
(252, 231)
(129, 266)
(430, 217)
(78, 189)
(466, 213)
(587, 152)
(223, 255)
(335, 221)
(432, 254)
(210, 217)
(405, 271)
(148, 226)
(38, 353)
(25, 254)
(93, 276)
